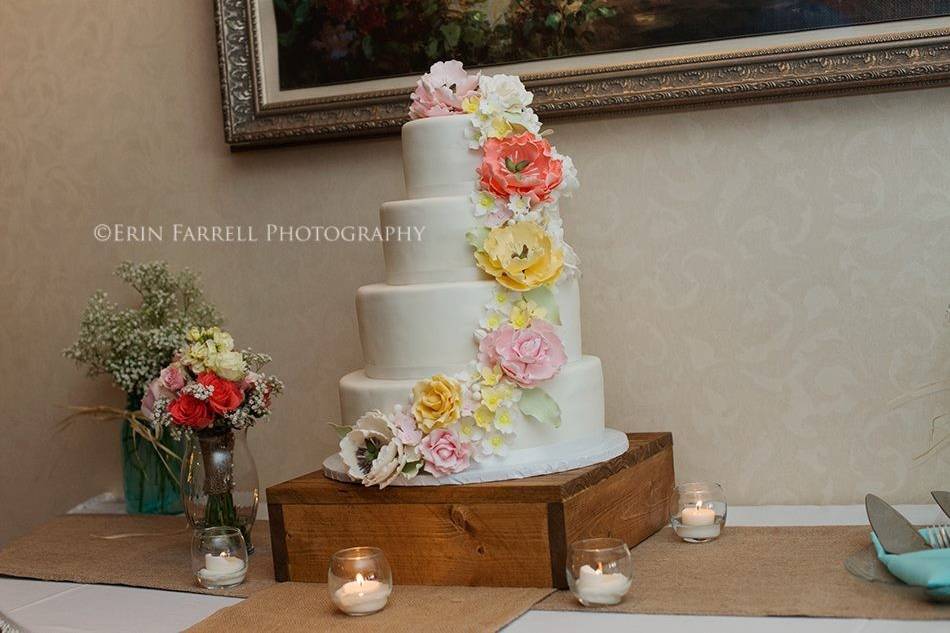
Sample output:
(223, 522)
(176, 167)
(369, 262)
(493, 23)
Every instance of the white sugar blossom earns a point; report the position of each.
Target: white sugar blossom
(501, 109)
(468, 431)
(502, 300)
(502, 93)
(506, 418)
(371, 451)
(569, 182)
(494, 444)
(492, 320)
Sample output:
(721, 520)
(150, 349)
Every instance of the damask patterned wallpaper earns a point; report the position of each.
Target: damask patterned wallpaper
(762, 281)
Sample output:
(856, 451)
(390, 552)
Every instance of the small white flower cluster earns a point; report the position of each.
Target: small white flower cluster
(501, 107)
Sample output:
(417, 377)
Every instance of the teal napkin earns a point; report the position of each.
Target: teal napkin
(929, 568)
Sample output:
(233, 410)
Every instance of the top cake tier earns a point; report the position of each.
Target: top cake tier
(436, 157)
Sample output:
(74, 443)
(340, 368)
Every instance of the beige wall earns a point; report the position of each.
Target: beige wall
(761, 281)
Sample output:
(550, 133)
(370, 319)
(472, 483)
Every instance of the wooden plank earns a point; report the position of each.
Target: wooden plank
(632, 505)
(314, 488)
(278, 540)
(427, 544)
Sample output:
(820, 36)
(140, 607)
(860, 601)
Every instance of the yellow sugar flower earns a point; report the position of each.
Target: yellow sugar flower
(520, 256)
(490, 375)
(436, 402)
(483, 417)
(470, 104)
(523, 312)
(493, 320)
(493, 397)
(500, 127)
(466, 428)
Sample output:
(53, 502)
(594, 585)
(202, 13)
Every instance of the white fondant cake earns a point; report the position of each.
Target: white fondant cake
(473, 368)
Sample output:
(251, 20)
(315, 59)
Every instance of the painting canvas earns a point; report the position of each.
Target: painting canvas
(326, 42)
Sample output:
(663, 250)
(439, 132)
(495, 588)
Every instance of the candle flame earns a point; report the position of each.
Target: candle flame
(359, 578)
(600, 568)
(223, 554)
(699, 505)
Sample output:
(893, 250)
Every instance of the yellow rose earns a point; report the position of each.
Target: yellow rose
(520, 256)
(436, 402)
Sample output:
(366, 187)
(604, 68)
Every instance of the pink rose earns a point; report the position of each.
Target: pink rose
(406, 430)
(528, 355)
(521, 165)
(444, 453)
(440, 91)
(155, 390)
(173, 377)
(251, 378)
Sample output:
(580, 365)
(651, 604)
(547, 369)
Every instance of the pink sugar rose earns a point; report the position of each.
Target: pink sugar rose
(444, 453)
(173, 377)
(440, 91)
(520, 165)
(527, 356)
(405, 429)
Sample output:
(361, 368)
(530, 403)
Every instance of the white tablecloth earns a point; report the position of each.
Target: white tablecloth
(57, 607)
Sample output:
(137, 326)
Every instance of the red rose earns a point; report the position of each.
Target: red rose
(226, 395)
(189, 411)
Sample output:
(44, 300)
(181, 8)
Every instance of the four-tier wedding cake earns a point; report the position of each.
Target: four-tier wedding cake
(472, 348)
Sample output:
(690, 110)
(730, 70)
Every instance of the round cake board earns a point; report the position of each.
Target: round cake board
(531, 463)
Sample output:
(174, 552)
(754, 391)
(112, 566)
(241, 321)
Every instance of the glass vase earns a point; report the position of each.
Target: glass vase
(219, 481)
(150, 485)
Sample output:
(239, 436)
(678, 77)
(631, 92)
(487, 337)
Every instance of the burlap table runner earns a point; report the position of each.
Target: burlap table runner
(292, 607)
(769, 571)
(154, 552)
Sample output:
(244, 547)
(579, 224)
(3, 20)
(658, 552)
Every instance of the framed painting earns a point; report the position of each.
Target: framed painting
(304, 70)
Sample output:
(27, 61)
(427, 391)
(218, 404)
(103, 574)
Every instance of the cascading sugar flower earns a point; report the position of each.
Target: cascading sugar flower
(372, 452)
(441, 91)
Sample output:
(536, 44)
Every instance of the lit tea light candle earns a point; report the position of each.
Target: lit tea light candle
(698, 523)
(593, 586)
(224, 570)
(361, 596)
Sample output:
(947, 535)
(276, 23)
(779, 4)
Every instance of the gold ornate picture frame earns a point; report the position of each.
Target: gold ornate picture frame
(890, 56)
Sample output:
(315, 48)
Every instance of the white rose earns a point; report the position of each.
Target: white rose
(228, 365)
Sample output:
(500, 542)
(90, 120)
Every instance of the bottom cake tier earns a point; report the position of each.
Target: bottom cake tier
(578, 390)
(537, 449)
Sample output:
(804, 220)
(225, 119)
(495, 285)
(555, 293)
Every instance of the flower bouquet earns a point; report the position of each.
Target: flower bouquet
(211, 394)
(131, 345)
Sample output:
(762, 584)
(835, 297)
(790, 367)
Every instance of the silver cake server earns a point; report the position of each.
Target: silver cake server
(895, 533)
(942, 497)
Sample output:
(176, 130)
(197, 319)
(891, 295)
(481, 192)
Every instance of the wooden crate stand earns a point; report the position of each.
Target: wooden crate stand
(507, 533)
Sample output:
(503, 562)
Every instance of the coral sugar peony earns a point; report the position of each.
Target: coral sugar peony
(520, 165)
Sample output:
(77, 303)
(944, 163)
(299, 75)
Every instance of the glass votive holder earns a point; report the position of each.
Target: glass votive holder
(218, 557)
(359, 580)
(698, 511)
(599, 571)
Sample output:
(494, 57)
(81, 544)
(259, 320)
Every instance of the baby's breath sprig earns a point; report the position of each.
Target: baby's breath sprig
(133, 344)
